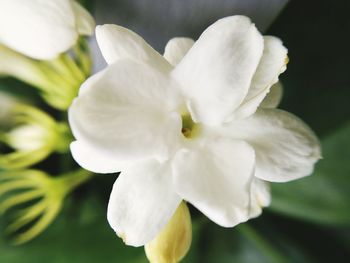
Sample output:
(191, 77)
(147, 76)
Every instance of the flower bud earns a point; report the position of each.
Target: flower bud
(174, 241)
(33, 135)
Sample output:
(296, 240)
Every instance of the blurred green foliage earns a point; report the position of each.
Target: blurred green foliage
(324, 196)
(84, 237)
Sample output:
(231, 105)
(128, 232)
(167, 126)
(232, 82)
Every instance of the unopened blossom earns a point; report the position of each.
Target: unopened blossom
(42, 29)
(188, 126)
(32, 134)
(174, 240)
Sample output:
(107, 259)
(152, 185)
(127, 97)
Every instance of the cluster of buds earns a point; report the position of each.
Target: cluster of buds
(28, 136)
(52, 56)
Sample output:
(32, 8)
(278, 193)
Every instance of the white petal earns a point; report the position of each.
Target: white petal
(177, 48)
(85, 23)
(215, 177)
(95, 160)
(273, 62)
(286, 148)
(260, 197)
(37, 28)
(142, 202)
(117, 42)
(216, 72)
(128, 111)
(274, 97)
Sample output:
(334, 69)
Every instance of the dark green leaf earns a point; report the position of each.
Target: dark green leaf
(87, 239)
(323, 197)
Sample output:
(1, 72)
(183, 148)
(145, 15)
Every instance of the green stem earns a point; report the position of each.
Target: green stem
(70, 64)
(59, 70)
(55, 73)
(72, 180)
(83, 54)
(64, 137)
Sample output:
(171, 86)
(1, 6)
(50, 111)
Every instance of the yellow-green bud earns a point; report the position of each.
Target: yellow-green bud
(174, 241)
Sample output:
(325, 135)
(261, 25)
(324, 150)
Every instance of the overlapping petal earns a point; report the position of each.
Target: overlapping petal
(128, 118)
(177, 48)
(38, 28)
(142, 202)
(129, 111)
(116, 42)
(286, 148)
(260, 197)
(96, 160)
(215, 177)
(85, 23)
(274, 97)
(272, 63)
(217, 71)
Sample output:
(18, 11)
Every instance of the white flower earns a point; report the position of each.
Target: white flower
(42, 29)
(188, 126)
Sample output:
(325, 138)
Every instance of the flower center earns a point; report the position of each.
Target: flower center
(189, 128)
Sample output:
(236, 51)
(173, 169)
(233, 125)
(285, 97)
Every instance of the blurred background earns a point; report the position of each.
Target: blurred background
(308, 220)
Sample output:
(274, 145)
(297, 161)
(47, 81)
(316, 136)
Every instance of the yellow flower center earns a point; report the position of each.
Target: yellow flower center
(189, 127)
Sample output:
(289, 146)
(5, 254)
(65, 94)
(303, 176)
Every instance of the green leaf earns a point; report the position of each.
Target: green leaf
(324, 197)
(242, 244)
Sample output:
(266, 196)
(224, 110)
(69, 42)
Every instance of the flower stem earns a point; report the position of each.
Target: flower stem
(72, 180)
(82, 51)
